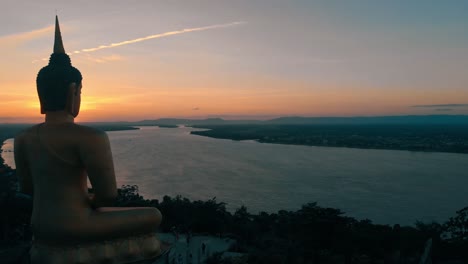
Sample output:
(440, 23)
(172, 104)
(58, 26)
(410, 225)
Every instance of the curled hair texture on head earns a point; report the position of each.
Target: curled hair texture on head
(53, 81)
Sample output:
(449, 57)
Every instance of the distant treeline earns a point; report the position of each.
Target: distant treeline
(435, 138)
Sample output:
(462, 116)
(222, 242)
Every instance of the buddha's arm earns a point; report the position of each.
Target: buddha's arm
(22, 169)
(95, 152)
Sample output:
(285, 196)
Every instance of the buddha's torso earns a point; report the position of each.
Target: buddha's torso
(59, 178)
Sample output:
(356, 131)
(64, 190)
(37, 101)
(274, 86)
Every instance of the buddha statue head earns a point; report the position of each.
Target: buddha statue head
(59, 83)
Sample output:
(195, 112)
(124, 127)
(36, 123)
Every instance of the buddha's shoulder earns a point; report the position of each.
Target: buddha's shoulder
(86, 131)
(25, 133)
(74, 130)
(90, 136)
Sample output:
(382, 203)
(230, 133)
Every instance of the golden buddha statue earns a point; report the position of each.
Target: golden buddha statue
(54, 159)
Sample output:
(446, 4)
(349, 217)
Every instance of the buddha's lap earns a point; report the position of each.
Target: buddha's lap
(125, 220)
(102, 224)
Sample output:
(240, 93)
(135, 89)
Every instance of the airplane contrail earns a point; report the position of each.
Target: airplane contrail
(161, 35)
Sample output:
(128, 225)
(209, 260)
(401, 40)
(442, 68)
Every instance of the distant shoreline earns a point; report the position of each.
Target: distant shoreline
(415, 138)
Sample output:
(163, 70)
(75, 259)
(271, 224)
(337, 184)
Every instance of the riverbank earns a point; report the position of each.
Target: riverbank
(6, 132)
(423, 138)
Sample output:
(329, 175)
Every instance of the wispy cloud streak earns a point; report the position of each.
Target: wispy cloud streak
(166, 34)
(161, 35)
(27, 36)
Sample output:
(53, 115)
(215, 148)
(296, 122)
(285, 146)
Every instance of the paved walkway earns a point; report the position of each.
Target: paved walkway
(192, 252)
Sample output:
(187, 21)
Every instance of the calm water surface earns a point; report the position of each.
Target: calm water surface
(385, 186)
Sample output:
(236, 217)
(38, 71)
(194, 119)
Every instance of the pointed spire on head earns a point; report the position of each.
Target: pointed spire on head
(58, 44)
(53, 80)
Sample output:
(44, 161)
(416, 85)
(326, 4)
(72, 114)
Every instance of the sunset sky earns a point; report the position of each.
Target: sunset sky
(253, 59)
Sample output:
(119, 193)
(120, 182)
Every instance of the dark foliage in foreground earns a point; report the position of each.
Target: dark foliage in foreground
(311, 234)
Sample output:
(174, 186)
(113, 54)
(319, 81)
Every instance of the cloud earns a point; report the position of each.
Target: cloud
(440, 105)
(105, 59)
(161, 35)
(443, 109)
(195, 108)
(26, 36)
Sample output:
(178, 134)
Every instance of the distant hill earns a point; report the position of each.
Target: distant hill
(187, 122)
(410, 119)
(297, 120)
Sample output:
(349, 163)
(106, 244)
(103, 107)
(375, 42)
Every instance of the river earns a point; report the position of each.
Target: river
(386, 186)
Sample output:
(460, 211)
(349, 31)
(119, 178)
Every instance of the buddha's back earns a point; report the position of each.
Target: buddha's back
(58, 175)
(59, 158)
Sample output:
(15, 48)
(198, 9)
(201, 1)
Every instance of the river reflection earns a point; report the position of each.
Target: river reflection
(385, 186)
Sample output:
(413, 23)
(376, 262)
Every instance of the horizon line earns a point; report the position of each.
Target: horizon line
(246, 118)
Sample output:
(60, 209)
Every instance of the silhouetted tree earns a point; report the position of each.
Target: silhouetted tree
(457, 226)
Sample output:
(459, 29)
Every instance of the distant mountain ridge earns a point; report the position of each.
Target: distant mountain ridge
(294, 120)
(298, 120)
(409, 119)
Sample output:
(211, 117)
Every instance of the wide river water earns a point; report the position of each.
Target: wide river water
(386, 186)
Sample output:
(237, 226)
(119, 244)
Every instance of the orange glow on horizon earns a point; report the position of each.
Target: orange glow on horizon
(113, 102)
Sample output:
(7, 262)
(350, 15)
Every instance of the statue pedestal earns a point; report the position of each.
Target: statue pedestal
(125, 250)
